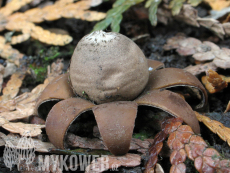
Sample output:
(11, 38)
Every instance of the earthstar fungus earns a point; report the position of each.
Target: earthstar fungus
(108, 67)
(110, 75)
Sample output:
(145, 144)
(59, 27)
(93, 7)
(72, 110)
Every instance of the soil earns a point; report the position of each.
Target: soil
(152, 48)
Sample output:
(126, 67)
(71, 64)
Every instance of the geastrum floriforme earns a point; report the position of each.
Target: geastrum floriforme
(110, 76)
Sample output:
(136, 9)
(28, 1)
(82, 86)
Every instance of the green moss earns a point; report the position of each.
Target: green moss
(142, 135)
(38, 64)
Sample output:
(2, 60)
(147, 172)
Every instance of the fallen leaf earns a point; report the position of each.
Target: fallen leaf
(222, 60)
(188, 15)
(12, 6)
(24, 129)
(12, 87)
(212, 25)
(216, 127)
(96, 143)
(174, 42)
(24, 22)
(205, 51)
(200, 68)
(164, 15)
(218, 4)
(110, 162)
(3, 121)
(19, 38)
(10, 105)
(214, 82)
(188, 46)
(23, 111)
(9, 53)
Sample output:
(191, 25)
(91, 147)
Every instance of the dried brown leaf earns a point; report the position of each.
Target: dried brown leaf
(164, 15)
(217, 4)
(9, 53)
(200, 68)
(12, 87)
(35, 93)
(214, 82)
(23, 21)
(128, 160)
(173, 42)
(222, 60)
(188, 15)
(3, 121)
(23, 111)
(24, 129)
(24, 99)
(212, 25)
(12, 6)
(188, 46)
(19, 38)
(216, 127)
(206, 51)
(95, 143)
(184, 46)
(200, 51)
(204, 56)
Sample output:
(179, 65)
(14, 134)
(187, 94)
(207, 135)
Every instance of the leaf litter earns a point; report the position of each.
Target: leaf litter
(128, 160)
(13, 108)
(214, 82)
(26, 100)
(24, 22)
(200, 51)
(40, 146)
(216, 127)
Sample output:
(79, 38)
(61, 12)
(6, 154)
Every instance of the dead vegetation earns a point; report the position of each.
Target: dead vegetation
(17, 116)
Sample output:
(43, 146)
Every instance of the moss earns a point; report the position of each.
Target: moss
(142, 135)
(40, 62)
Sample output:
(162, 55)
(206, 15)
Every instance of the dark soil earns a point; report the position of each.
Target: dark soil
(152, 48)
